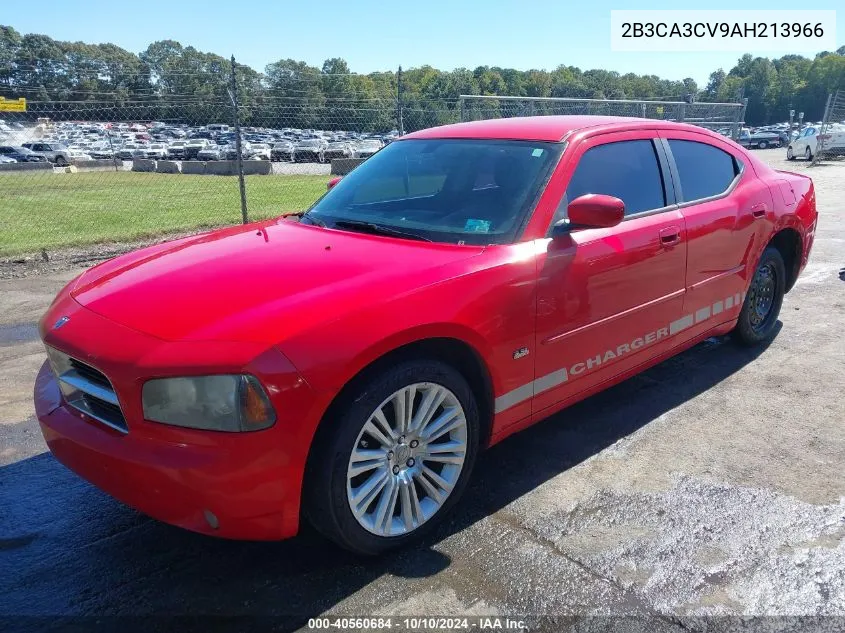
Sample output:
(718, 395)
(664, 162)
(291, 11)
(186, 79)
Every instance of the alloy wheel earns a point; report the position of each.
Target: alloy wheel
(762, 296)
(407, 459)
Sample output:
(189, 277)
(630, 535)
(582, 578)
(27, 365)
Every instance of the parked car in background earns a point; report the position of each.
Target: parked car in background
(338, 149)
(157, 151)
(21, 154)
(367, 147)
(176, 150)
(211, 152)
(54, 152)
(258, 151)
(129, 152)
(194, 146)
(806, 144)
(309, 151)
(282, 151)
(78, 155)
(102, 152)
(759, 139)
(5, 160)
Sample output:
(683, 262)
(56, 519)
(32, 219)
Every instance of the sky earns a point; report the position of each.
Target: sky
(372, 35)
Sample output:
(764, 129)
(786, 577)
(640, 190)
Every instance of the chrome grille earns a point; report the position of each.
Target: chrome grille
(87, 389)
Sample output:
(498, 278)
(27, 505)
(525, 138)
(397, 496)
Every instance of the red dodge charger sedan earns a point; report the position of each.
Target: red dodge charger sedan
(460, 285)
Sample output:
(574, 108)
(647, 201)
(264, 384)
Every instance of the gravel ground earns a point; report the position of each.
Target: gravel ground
(711, 485)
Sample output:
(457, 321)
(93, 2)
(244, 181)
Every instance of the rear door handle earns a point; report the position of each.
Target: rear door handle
(670, 236)
(759, 210)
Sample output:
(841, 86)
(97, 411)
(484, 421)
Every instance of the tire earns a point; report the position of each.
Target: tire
(762, 304)
(790, 155)
(762, 145)
(60, 161)
(401, 460)
(808, 154)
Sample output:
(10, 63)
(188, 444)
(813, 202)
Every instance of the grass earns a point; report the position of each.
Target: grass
(50, 211)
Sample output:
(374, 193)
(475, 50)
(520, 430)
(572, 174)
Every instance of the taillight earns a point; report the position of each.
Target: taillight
(823, 137)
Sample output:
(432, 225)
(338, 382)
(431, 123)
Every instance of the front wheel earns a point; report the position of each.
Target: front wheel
(60, 161)
(762, 304)
(397, 457)
(762, 144)
(790, 155)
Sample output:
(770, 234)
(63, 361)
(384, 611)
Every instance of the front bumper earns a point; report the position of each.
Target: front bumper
(173, 483)
(232, 485)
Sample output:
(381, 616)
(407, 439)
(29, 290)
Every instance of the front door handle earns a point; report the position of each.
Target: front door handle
(670, 236)
(759, 210)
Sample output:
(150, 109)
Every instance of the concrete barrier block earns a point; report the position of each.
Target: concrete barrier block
(143, 164)
(96, 163)
(256, 167)
(196, 167)
(26, 166)
(221, 167)
(342, 166)
(168, 167)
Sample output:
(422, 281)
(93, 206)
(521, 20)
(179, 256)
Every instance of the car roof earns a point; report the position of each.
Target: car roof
(551, 128)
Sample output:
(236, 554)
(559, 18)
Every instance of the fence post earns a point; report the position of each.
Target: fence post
(463, 109)
(399, 122)
(111, 149)
(233, 95)
(736, 128)
(822, 132)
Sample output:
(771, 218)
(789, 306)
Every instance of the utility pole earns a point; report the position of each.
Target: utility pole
(233, 95)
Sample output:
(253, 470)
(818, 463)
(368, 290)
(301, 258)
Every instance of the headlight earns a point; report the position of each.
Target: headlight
(216, 403)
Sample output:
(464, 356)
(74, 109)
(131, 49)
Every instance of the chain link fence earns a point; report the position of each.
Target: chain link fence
(726, 118)
(830, 141)
(75, 173)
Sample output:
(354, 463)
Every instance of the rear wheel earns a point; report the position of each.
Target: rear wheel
(396, 460)
(763, 144)
(790, 155)
(808, 154)
(762, 304)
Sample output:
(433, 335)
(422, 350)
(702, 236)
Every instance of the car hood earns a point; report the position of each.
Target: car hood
(259, 282)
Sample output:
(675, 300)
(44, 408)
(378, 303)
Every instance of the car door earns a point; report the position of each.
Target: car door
(608, 298)
(801, 143)
(727, 211)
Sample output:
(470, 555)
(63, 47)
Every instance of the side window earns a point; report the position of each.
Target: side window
(628, 170)
(704, 170)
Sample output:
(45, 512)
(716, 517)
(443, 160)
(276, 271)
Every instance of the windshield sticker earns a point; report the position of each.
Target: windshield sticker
(537, 152)
(477, 226)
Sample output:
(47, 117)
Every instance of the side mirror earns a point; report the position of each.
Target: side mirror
(593, 210)
(333, 182)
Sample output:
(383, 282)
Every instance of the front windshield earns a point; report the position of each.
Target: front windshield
(446, 190)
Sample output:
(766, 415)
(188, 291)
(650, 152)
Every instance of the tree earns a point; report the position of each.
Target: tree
(179, 82)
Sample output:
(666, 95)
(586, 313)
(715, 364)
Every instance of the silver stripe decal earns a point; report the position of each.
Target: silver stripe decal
(512, 398)
(681, 324)
(551, 380)
(560, 376)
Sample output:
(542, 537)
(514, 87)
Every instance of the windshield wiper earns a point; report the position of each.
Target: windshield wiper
(306, 215)
(377, 229)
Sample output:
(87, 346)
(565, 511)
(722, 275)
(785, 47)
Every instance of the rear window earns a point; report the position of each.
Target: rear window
(628, 170)
(704, 170)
